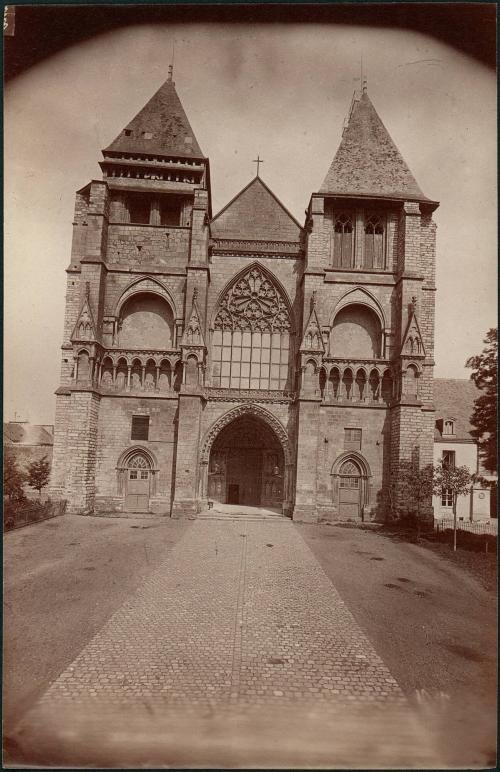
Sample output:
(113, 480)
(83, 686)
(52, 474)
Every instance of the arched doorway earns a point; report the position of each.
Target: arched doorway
(349, 489)
(137, 472)
(351, 485)
(247, 464)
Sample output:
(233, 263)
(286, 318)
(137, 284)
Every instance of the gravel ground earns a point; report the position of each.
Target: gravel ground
(63, 579)
(432, 622)
(427, 613)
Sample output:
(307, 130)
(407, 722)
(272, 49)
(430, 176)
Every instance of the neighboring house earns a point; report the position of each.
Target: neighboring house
(453, 443)
(27, 443)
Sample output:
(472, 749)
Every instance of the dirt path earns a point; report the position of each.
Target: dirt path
(432, 623)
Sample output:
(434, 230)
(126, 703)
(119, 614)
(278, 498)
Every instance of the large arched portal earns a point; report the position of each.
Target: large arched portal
(247, 464)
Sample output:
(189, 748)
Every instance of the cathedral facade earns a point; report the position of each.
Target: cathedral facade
(244, 357)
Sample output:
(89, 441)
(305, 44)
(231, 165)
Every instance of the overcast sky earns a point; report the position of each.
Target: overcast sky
(280, 91)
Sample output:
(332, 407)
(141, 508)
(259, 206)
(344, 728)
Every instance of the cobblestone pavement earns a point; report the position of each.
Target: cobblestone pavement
(240, 616)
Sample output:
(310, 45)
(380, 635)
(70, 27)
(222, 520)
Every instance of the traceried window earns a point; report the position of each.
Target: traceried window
(374, 242)
(251, 338)
(343, 240)
(349, 475)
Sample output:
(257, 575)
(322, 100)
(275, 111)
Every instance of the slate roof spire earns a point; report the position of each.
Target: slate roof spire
(160, 128)
(368, 163)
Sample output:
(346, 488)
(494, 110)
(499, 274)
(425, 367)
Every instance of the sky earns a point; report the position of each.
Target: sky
(281, 91)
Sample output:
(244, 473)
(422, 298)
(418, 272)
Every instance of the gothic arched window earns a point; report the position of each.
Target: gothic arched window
(251, 338)
(343, 240)
(349, 475)
(374, 242)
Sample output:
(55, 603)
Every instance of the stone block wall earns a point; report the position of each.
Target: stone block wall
(374, 425)
(114, 439)
(144, 246)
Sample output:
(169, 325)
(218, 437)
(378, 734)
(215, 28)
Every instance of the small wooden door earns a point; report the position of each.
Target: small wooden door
(137, 498)
(350, 491)
(233, 494)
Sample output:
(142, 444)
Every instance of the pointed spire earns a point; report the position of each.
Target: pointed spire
(368, 162)
(160, 128)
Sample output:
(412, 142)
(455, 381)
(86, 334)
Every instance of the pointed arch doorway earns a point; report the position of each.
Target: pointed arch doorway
(247, 465)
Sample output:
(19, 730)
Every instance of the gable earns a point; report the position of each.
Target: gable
(256, 214)
(454, 398)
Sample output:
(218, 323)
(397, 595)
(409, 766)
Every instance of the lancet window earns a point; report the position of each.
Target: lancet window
(374, 242)
(251, 337)
(343, 240)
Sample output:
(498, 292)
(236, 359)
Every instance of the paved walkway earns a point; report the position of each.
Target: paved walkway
(239, 617)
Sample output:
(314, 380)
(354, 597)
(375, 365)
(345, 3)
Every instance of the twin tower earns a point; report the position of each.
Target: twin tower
(244, 357)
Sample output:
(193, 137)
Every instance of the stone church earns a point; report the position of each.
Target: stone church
(243, 357)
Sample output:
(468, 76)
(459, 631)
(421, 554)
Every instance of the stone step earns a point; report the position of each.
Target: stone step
(242, 516)
(129, 515)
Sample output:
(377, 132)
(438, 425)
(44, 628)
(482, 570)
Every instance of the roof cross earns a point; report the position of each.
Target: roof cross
(258, 161)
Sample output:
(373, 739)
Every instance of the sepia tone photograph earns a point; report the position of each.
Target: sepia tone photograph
(250, 386)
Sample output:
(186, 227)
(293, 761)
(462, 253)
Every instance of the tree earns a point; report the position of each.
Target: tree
(484, 416)
(413, 485)
(13, 479)
(38, 475)
(456, 479)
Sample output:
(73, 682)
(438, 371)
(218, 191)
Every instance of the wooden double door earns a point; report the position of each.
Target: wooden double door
(138, 488)
(251, 477)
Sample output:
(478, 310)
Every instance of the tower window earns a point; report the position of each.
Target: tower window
(374, 242)
(128, 132)
(343, 241)
(139, 209)
(140, 427)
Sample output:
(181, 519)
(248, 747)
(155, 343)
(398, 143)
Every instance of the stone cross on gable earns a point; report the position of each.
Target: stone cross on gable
(258, 161)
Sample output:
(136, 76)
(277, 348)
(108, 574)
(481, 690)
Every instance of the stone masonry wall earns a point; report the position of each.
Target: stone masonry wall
(374, 425)
(142, 246)
(113, 439)
(80, 450)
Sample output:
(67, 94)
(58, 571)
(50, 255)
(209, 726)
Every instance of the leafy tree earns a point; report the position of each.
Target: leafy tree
(484, 416)
(13, 479)
(39, 474)
(411, 487)
(458, 480)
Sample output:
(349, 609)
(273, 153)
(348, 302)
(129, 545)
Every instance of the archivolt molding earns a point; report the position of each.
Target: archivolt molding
(237, 412)
(359, 296)
(357, 458)
(149, 285)
(129, 452)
